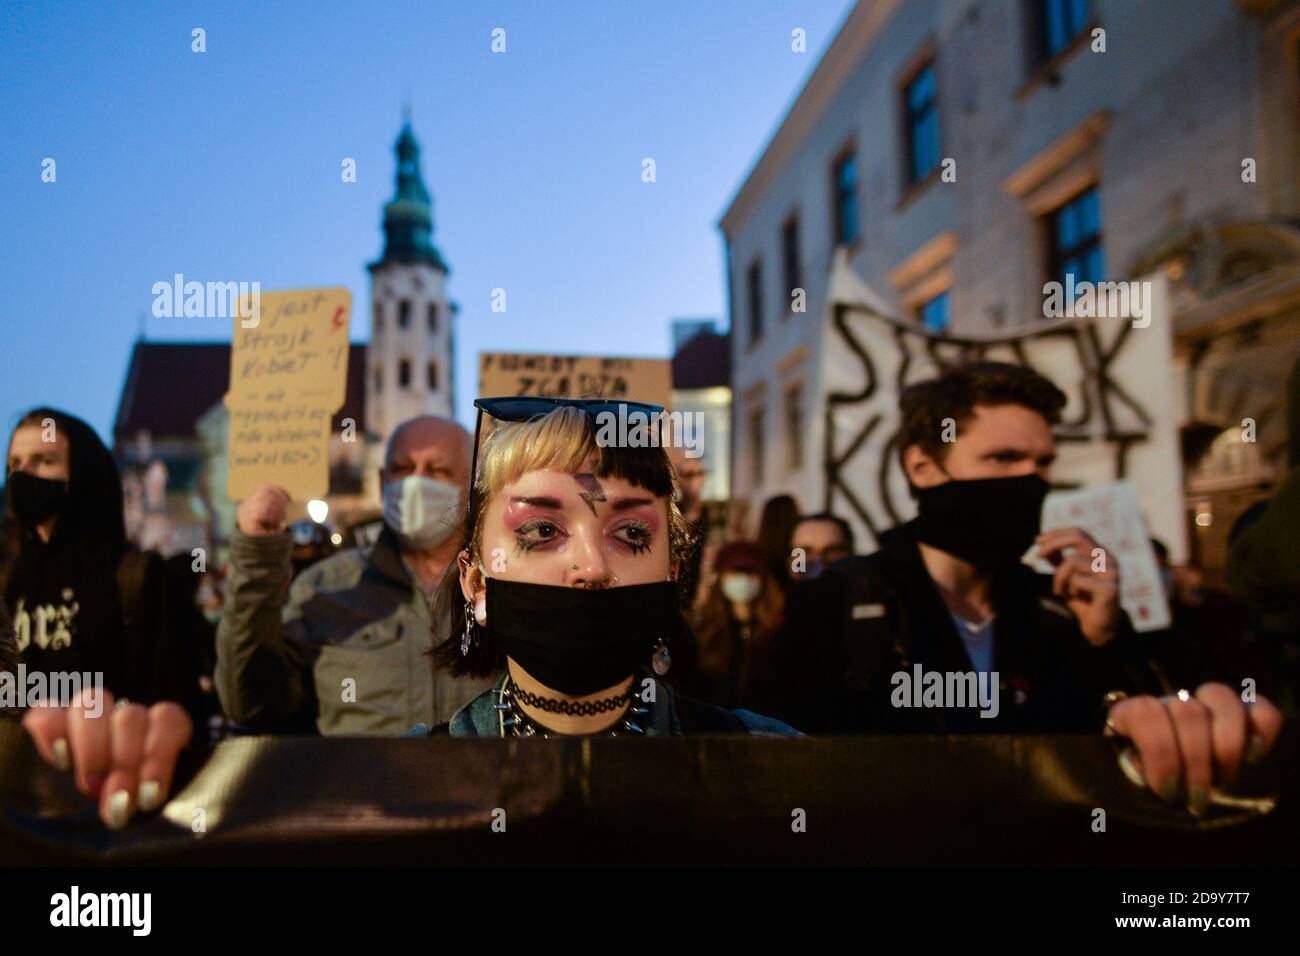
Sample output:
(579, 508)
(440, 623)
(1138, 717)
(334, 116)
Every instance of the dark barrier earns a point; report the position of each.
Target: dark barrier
(873, 800)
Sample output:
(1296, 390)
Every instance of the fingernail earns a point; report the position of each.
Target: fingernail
(119, 807)
(60, 749)
(1169, 790)
(150, 793)
(1255, 749)
(1198, 801)
(1129, 766)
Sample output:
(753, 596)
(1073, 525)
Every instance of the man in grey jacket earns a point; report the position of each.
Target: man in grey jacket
(347, 653)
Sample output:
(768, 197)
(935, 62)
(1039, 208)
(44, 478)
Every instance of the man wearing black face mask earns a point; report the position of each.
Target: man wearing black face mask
(947, 594)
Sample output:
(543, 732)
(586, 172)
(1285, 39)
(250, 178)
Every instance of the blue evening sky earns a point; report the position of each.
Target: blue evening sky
(225, 165)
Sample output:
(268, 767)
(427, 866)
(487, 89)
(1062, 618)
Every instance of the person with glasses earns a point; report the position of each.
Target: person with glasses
(565, 590)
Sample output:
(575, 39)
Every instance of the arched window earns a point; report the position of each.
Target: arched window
(433, 316)
(404, 313)
(404, 373)
(433, 375)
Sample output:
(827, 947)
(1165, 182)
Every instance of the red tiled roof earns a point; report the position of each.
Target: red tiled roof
(703, 361)
(169, 385)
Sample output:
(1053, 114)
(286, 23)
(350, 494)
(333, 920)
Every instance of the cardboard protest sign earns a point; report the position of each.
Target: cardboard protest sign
(575, 376)
(1112, 516)
(288, 376)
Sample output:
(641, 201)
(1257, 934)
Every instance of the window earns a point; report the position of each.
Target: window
(794, 427)
(379, 316)
(790, 257)
(433, 316)
(1059, 22)
(846, 199)
(922, 125)
(756, 434)
(404, 373)
(433, 376)
(934, 313)
(755, 289)
(1075, 240)
(379, 379)
(403, 313)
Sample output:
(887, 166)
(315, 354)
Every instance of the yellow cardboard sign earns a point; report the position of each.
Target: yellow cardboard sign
(575, 376)
(288, 377)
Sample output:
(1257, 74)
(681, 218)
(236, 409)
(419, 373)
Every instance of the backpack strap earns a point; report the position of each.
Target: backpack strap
(132, 572)
(872, 639)
(142, 595)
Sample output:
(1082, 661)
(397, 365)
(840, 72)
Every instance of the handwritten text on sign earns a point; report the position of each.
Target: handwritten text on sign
(575, 376)
(288, 376)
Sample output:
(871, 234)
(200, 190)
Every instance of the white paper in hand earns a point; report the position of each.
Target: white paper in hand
(1112, 516)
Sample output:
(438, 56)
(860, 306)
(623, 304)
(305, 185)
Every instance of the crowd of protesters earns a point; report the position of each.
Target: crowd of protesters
(544, 584)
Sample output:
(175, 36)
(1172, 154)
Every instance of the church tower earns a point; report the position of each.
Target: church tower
(409, 359)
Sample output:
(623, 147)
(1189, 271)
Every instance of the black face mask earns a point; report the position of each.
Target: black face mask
(34, 499)
(989, 522)
(577, 640)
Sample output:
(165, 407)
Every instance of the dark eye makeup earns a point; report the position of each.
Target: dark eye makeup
(538, 532)
(535, 533)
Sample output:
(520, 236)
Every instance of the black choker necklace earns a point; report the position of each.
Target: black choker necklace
(521, 725)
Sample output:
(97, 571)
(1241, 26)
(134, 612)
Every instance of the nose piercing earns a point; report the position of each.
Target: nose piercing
(573, 567)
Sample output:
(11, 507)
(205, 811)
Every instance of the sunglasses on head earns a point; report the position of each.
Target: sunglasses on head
(525, 408)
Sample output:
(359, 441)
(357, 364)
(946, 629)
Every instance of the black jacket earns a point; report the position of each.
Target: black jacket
(865, 619)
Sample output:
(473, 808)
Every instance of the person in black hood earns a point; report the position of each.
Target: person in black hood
(64, 498)
(80, 598)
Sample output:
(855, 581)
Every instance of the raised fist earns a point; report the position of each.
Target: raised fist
(264, 511)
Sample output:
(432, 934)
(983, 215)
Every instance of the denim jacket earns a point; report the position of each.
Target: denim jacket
(481, 718)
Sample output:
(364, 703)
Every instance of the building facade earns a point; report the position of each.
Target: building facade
(701, 374)
(963, 153)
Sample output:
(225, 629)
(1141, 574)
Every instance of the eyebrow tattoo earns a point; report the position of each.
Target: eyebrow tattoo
(591, 490)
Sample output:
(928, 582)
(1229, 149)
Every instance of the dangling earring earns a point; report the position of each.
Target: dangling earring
(660, 659)
(469, 638)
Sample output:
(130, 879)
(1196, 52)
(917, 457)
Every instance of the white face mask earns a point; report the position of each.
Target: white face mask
(423, 511)
(740, 588)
